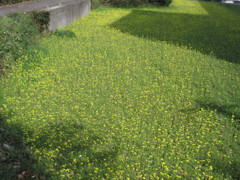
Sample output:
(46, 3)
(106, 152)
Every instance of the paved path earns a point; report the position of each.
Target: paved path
(30, 6)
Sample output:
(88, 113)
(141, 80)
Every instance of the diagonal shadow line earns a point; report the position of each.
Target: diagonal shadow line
(227, 110)
(211, 35)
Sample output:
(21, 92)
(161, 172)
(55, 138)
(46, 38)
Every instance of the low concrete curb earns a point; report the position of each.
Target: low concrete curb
(62, 12)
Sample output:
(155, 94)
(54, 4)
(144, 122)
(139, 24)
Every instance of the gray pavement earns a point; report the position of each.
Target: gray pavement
(31, 6)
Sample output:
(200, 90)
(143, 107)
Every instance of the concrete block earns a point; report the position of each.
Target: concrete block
(64, 14)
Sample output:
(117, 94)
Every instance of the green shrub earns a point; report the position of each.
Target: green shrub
(17, 32)
(2, 2)
(41, 20)
(160, 2)
(137, 2)
(95, 4)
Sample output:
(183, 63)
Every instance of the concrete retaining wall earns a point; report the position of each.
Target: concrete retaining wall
(62, 12)
(62, 15)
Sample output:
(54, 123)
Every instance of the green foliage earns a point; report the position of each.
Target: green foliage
(64, 33)
(3, 2)
(16, 160)
(122, 100)
(160, 2)
(95, 4)
(17, 33)
(41, 20)
(130, 3)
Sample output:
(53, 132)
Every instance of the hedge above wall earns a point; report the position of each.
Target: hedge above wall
(4, 2)
(137, 2)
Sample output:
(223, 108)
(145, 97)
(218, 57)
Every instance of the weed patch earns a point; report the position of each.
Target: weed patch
(17, 33)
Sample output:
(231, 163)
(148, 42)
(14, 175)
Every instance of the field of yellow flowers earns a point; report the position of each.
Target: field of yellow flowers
(133, 93)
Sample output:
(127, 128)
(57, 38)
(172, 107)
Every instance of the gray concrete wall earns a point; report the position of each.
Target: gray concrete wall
(62, 15)
(62, 12)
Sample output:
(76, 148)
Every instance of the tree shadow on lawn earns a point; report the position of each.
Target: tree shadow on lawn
(82, 156)
(64, 34)
(223, 166)
(219, 162)
(228, 110)
(231, 110)
(78, 148)
(216, 34)
(232, 7)
(16, 161)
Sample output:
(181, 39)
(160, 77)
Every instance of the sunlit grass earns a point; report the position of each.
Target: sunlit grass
(98, 101)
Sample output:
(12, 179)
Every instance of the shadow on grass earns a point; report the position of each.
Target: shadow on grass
(232, 7)
(224, 167)
(217, 34)
(229, 110)
(16, 161)
(231, 148)
(64, 34)
(74, 147)
(77, 148)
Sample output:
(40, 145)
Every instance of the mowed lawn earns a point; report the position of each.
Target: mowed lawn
(133, 93)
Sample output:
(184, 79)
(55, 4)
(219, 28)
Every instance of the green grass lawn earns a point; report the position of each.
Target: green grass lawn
(133, 93)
